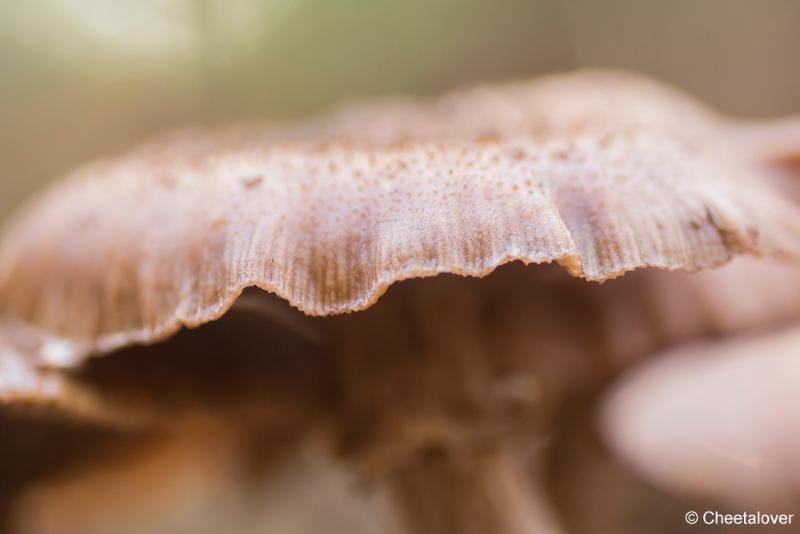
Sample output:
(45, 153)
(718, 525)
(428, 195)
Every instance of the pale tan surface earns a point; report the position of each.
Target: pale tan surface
(602, 173)
(28, 390)
(71, 94)
(199, 482)
(719, 420)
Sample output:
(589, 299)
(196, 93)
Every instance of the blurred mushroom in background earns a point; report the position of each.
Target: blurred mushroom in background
(716, 419)
(136, 283)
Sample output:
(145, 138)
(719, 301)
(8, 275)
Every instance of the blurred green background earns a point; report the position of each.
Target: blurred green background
(82, 78)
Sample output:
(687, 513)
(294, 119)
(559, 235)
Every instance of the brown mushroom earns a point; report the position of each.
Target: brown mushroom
(446, 389)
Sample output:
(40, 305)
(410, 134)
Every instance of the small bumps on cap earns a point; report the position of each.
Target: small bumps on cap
(601, 172)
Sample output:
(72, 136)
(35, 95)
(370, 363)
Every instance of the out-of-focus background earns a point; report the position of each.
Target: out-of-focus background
(83, 78)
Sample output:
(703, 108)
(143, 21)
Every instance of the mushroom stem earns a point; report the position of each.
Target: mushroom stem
(472, 493)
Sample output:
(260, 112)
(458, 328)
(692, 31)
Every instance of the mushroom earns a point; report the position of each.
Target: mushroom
(741, 446)
(137, 275)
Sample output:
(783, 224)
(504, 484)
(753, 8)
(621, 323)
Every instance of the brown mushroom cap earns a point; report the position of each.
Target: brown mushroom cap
(602, 173)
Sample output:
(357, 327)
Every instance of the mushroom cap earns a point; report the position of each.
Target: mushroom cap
(21, 382)
(601, 172)
(25, 387)
(719, 420)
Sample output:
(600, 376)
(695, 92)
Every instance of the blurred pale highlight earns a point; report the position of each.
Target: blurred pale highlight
(720, 420)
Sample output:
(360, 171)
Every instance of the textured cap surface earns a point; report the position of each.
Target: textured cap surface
(602, 173)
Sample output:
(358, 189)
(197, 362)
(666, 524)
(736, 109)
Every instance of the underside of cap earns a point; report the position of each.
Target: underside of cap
(328, 214)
